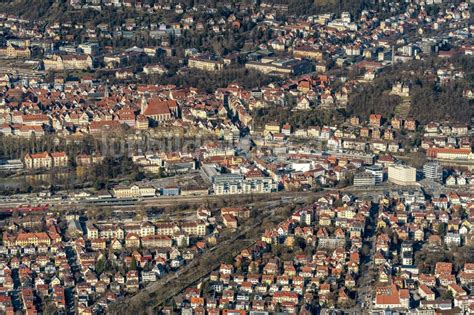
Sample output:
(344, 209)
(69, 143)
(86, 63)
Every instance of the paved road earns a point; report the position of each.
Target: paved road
(367, 269)
(158, 293)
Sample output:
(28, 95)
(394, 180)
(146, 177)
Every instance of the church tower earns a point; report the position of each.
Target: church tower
(143, 105)
(106, 90)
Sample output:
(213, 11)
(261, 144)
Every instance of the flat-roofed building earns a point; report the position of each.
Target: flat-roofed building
(433, 170)
(377, 171)
(364, 179)
(402, 175)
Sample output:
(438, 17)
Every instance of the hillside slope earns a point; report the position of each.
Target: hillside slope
(430, 99)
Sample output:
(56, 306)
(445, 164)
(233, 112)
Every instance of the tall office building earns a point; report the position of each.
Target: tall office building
(377, 171)
(433, 170)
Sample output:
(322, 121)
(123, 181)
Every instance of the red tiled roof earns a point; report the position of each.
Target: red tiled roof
(158, 107)
(58, 154)
(41, 155)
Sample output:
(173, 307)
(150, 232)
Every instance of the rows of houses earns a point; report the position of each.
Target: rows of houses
(326, 239)
(100, 262)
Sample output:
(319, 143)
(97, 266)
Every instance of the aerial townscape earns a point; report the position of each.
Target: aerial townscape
(244, 157)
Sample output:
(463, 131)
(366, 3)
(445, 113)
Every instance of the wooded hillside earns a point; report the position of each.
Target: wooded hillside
(431, 100)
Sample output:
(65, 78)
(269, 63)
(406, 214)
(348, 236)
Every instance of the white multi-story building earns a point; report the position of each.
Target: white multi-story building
(230, 184)
(377, 171)
(364, 179)
(453, 239)
(402, 175)
(433, 170)
(134, 191)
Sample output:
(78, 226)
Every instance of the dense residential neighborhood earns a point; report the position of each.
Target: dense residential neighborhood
(236, 157)
(318, 258)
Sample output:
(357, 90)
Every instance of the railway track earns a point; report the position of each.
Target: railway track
(151, 298)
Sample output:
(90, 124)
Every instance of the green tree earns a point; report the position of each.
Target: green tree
(100, 265)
